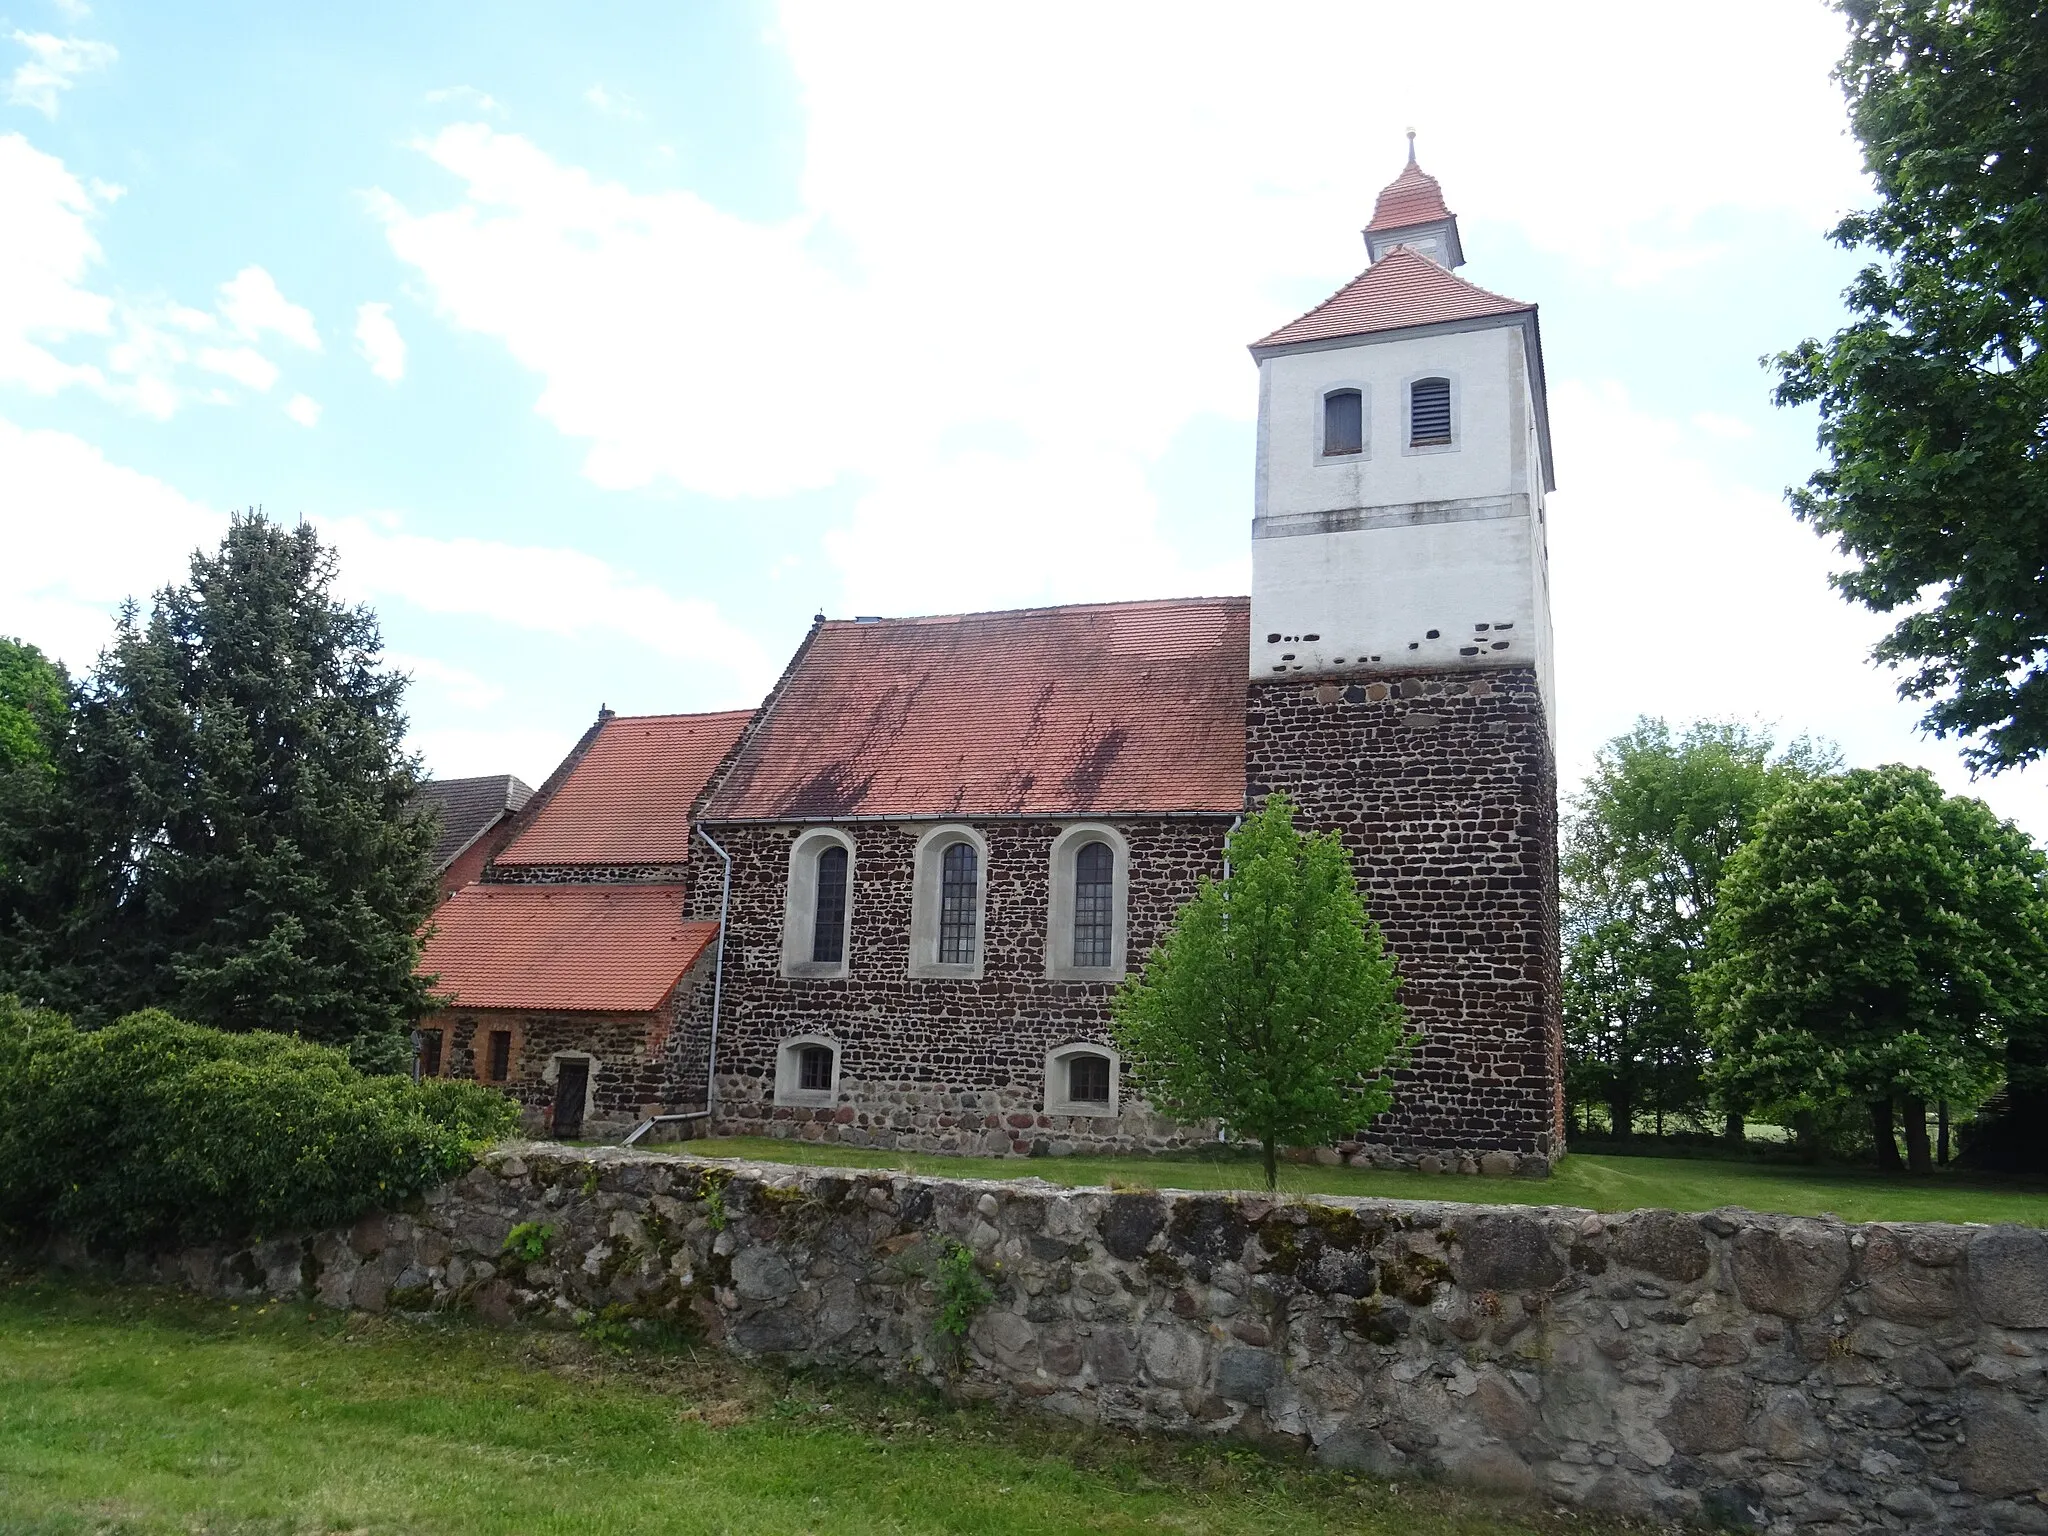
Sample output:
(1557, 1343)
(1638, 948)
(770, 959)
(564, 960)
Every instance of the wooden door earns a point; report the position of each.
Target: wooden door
(572, 1086)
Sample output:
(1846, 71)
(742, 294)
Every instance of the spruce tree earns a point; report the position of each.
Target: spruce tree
(239, 776)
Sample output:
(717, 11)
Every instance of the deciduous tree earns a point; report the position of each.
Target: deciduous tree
(1270, 1005)
(1934, 398)
(1875, 941)
(1649, 833)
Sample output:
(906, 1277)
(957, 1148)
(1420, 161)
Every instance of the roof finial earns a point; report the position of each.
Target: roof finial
(1411, 146)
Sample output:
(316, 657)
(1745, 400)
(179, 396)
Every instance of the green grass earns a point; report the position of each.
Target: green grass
(137, 1411)
(1601, 1181)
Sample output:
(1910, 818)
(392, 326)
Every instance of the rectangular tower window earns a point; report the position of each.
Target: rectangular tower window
(1429, 413)
(1343, 422)
(498, 1064)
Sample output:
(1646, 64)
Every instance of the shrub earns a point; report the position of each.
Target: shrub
(153, 1131)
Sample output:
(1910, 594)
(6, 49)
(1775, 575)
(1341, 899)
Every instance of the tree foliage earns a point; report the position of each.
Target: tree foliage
(233, 841)
(1270, 1005)
(1934, 398)
(1649, 834)
(34, 699)
(1875, 942)
(152, 1131)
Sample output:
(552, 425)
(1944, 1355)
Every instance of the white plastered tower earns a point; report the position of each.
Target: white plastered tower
(1403, 459)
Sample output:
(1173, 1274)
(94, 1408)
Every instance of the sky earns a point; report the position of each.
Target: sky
(608, 345)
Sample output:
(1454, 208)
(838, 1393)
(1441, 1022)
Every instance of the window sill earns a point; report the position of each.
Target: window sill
(815, 970)
(1085, 1109)
(1105, 973)
(807, 1098)
(933, 971)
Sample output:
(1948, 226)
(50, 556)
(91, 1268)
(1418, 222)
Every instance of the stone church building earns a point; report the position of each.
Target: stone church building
(890, 906)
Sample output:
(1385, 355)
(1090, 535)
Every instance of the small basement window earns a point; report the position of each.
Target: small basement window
(814, 1069)
(1429, 413)
(1343, 422)
(1082, 1079)
(1088, 1079)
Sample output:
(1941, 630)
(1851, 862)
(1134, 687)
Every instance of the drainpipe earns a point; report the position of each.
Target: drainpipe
(717, 985)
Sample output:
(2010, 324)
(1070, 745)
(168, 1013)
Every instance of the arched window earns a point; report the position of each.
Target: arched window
(1343, 422)
(818, 905)
(828, 922)
(959, 904)
(1094, 905)
(1429, 413)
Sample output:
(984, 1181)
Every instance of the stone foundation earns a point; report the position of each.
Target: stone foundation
(1760, 1372)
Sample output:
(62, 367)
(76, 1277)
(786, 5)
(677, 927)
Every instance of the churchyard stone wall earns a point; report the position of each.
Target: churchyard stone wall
(1444, 787)
(1761, 1372)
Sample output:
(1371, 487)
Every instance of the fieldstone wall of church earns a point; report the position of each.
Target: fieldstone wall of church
(1444, 788)
(927, 1064)
(1752, 1372)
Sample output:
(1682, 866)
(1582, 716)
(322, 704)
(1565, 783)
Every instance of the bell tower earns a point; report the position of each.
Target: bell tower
(1400, 660)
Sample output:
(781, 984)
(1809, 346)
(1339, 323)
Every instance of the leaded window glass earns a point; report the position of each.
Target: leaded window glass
(814, 1067)
(958, 904)
(1094, 896)
(1088, 1079)
(828, 921)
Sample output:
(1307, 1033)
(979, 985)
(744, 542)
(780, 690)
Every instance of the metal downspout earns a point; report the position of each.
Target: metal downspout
(717, 984)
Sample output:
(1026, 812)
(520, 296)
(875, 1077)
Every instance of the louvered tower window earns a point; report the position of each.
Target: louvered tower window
(1343, 422)
(828, 926)
(1094, 891)
(957, 891)
(1429, 413)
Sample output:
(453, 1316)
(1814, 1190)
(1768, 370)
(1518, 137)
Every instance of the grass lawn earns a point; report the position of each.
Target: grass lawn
(1599, 1180)
(128, 1410)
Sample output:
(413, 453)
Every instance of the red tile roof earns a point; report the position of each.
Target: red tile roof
(579, 948)
(628, 801)
(1399, 290)
(1041, 711)
(1413, 197)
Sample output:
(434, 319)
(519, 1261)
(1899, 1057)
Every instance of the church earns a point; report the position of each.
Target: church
(889, 907)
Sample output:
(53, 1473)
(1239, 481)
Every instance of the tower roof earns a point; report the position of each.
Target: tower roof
(1411, 198)
(1399, 290)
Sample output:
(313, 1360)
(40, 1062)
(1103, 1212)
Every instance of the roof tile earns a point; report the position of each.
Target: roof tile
(578, 948)
(1100, 708)
(1399, 290)
(469, 808)
(628, 801)
(1413, 197)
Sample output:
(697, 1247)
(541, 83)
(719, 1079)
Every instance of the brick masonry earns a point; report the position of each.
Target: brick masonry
(930, 1065)
(1444, 787)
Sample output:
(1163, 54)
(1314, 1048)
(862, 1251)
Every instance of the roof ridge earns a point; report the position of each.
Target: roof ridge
(996, 613)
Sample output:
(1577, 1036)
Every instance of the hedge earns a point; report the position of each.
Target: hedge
(152, 1132)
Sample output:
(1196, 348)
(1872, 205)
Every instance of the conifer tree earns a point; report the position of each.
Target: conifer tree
(1270, 1005)
(237, 774)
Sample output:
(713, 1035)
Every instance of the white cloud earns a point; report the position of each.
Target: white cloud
(44, 259)
(466, 96)
(304, 410)
(252, 305)
(81, 535)
(1080, 255)
(554, 591)
(1727, 428)
(460, 686)
(614, 104)
(1679, 593)
(245, 365)
(53, 65)
(378, 340)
